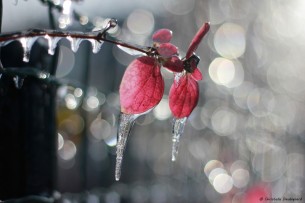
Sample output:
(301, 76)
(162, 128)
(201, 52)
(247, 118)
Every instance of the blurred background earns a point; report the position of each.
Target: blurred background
(243, 142)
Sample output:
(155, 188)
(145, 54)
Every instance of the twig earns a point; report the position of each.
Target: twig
(98, 36)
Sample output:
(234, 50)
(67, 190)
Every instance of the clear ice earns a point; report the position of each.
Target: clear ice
(75, 42)
(52, 42)
(96, 45)
(177, 131)
(27, 43)
(18, 81)
(125, 124)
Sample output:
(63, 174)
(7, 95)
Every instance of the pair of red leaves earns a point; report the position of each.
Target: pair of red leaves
(142, 86)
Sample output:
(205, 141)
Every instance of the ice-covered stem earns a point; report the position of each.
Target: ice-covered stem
(177, 131)
(126, 122)
(98, 36)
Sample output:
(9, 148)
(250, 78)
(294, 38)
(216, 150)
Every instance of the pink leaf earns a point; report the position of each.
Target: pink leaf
(162, 36)
(142, 86)
(197, 39)
(183, 96)
(167, 50)
(196, 74)
(174, 64)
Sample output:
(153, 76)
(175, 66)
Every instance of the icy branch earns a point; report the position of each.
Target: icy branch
(27, 39)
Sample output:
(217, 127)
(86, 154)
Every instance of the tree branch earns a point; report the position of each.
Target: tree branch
(98, 36)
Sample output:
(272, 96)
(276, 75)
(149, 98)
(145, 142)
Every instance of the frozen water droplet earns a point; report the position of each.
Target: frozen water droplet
(178, 127)
(177, 77)
(27, 43)
(96, 45)
(112, 22)
(75, 42)
(52, 42)
(125, 124)
(18, 81)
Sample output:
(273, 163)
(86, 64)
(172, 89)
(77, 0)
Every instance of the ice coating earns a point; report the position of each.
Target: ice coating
(27, 43)
(52, 42)
(75, 42)
(125, 124)
(177, 131)
(96, 45)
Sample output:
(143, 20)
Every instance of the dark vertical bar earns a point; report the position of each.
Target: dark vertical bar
(1, 12)
(27, 135)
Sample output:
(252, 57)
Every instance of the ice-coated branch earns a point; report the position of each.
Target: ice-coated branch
(28, 38)
(96, 38)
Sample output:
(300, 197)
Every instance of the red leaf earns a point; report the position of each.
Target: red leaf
(142, 86)
(183, 96)
(197, 39)
(162, 36)
(167, 50)
(174, 64)
(196, 74)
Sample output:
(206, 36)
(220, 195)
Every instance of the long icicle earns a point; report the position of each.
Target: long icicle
(177, 130)
(125, 124)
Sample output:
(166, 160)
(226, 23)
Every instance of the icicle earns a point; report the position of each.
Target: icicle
(96, 45)
(178, 127)
(18, 81)
(75, 42)
(52, 42)
(126, 122)
(27, 43)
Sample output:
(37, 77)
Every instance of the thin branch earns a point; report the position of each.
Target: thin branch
(98, 36)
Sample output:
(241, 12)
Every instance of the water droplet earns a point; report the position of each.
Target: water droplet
(27, 43)
(178, 127)
(112, 22)
(126, 122)
(96, 45)
(18, 81)
(75, 42)
(52, 42)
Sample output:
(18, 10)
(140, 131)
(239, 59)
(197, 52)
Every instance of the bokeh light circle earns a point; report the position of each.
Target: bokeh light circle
(230, 41)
